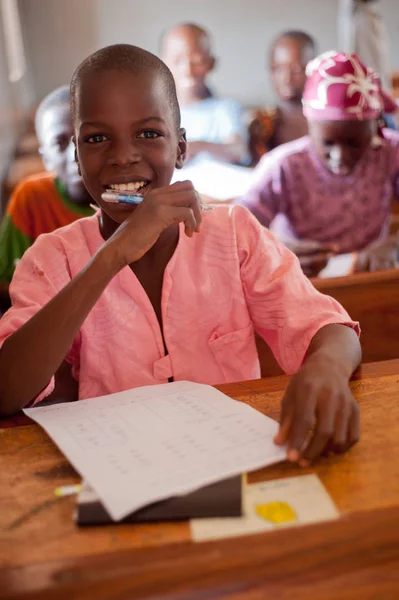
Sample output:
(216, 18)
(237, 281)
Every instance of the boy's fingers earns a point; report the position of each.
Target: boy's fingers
(282, 434)
(181, 214)
(300, 430)
(186, 197)
(323, 433)
(340, 438)
(286, 419)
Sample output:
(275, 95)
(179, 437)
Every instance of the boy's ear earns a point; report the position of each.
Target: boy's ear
(212, 63)
(76, 155)
(181, 149)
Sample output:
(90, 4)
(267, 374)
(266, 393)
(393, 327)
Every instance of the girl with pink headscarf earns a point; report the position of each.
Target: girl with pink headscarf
(332, 190)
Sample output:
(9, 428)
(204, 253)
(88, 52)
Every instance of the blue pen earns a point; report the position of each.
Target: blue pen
(117, 198)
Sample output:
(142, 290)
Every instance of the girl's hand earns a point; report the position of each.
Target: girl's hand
(313, 256)
(319, 413)
(161, 208)
(379, 256)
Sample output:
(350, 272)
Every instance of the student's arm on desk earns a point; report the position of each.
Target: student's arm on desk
(320, 393)
(310, 335)
(32, 354)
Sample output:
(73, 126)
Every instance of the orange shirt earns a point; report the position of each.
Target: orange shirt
(39, 204)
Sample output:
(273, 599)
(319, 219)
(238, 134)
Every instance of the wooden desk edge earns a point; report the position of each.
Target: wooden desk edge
(360, 536)
(388, 275)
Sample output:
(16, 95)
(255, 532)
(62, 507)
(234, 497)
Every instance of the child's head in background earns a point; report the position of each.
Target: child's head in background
(186, 49)
(126, 122)
(54, 131)
(343, 101)
(289, 54)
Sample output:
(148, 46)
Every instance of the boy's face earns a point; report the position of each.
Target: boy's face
(125, 132)
(341, 144)
(58, 151)
(288, 65)
(187, 54)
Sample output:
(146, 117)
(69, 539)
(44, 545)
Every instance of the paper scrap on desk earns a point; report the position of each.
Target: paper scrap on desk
(339, 266)
(147, 444)
(271, 505)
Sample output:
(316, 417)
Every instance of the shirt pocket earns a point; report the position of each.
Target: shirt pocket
(235, 353)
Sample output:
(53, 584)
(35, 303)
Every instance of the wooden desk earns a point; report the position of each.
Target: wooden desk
(43, 554)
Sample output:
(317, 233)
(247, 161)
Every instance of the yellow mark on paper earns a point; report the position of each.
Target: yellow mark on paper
(276, 512)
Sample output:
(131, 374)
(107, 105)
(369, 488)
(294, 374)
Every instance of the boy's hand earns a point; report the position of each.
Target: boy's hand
(161, 208)
(319, 413)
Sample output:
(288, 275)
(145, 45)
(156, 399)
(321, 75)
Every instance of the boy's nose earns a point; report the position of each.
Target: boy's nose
(186, 68)
(125, 153)
(337, 154)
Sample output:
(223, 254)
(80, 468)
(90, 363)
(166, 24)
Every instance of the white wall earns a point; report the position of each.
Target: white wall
(7, 129)
(60, 33)
(15, 99)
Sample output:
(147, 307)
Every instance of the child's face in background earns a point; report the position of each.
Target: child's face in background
(57, 149)
(341, 144)
(126, 132)
(188, 55)
(288, 62)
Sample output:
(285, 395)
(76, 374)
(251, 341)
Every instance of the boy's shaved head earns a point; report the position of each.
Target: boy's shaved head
(186, 49)
(299, 37)
(184, 29)
(289, 54)
(56, 98)
(130, 59)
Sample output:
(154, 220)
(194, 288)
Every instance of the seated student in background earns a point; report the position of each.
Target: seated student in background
(140, 295)
(44, 202)
(289, 54)
(333, 190)
(213, 125)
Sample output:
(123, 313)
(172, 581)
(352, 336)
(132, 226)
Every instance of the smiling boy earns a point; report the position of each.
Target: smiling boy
(146, 294)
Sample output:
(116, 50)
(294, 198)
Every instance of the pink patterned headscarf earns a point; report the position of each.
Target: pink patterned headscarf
(340, 87)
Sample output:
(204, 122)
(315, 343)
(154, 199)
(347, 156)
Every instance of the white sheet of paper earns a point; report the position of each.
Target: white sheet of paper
(218, 180)
(338, 266)
(147, 444)
(271, 505)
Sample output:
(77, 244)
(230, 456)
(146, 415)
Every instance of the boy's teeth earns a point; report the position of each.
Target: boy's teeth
(127, 187)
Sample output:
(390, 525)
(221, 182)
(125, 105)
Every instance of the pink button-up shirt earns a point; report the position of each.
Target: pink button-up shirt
(227, 281)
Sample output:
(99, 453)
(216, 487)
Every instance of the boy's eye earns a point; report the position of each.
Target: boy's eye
(95, 139)
(61, 143)
(148, 135)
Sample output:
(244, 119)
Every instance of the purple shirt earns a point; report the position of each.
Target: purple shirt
(314, 204)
